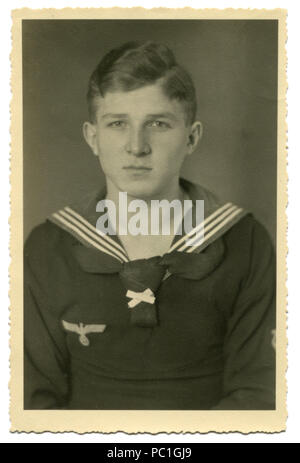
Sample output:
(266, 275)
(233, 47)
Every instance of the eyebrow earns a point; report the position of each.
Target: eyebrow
(113, 115)
(166, 115)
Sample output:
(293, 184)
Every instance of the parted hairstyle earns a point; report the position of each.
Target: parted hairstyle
(134, 65)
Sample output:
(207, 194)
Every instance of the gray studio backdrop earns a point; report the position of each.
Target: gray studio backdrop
(234, 66)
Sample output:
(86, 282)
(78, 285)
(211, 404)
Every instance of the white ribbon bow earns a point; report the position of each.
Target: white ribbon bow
(136, 298)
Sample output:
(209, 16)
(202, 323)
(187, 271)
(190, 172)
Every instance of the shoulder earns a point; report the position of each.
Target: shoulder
(249, 233)
(45, 237)
(48, 245)
(246, 230)
(50, 267)
(250, 251)
(52, 235)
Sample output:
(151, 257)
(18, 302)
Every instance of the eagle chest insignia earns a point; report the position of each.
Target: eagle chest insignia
(83, 330)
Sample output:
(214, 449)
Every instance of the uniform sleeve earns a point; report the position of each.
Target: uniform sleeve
(249, 350)
(45, 353)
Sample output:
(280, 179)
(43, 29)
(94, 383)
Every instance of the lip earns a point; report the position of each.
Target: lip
(137, 168)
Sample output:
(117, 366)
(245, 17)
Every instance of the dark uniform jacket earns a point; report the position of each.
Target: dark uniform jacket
(189, 330)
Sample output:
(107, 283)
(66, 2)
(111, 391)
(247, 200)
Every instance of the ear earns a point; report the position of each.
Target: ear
(90, 136)
(195, 135)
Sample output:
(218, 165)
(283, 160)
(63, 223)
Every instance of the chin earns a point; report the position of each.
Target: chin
(141, 193)
(141, 190)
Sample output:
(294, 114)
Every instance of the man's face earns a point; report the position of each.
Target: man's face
(141, 139)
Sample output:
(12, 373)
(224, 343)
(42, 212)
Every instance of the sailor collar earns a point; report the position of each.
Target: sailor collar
(97, 252)
(80, 221)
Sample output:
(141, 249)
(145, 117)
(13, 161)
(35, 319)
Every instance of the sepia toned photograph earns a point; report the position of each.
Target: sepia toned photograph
(148, 173)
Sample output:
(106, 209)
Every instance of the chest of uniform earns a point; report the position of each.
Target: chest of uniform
(102, 297)
(190, 325)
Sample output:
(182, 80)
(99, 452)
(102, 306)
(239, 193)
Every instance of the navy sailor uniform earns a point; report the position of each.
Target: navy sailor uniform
(193, 329)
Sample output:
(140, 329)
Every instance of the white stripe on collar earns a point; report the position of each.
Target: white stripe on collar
(228, 218)
(87, 234)
(196, 240)
(199, 229)
(94, 229)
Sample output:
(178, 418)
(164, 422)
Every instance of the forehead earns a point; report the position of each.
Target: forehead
(139, 102)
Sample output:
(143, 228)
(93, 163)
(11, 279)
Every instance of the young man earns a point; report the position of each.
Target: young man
(148, 321)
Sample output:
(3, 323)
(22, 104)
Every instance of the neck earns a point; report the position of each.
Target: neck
(174, 191)
(171, 192)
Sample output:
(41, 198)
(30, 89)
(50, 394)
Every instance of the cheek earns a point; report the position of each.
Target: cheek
(169, 147)
(110, 147)
(108, 142)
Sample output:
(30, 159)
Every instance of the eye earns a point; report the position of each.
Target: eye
(159, 124)
(117, 124)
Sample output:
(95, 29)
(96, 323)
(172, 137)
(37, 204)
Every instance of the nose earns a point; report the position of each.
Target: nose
(137, 143)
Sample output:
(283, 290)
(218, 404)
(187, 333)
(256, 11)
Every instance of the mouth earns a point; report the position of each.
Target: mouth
(137, 168)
